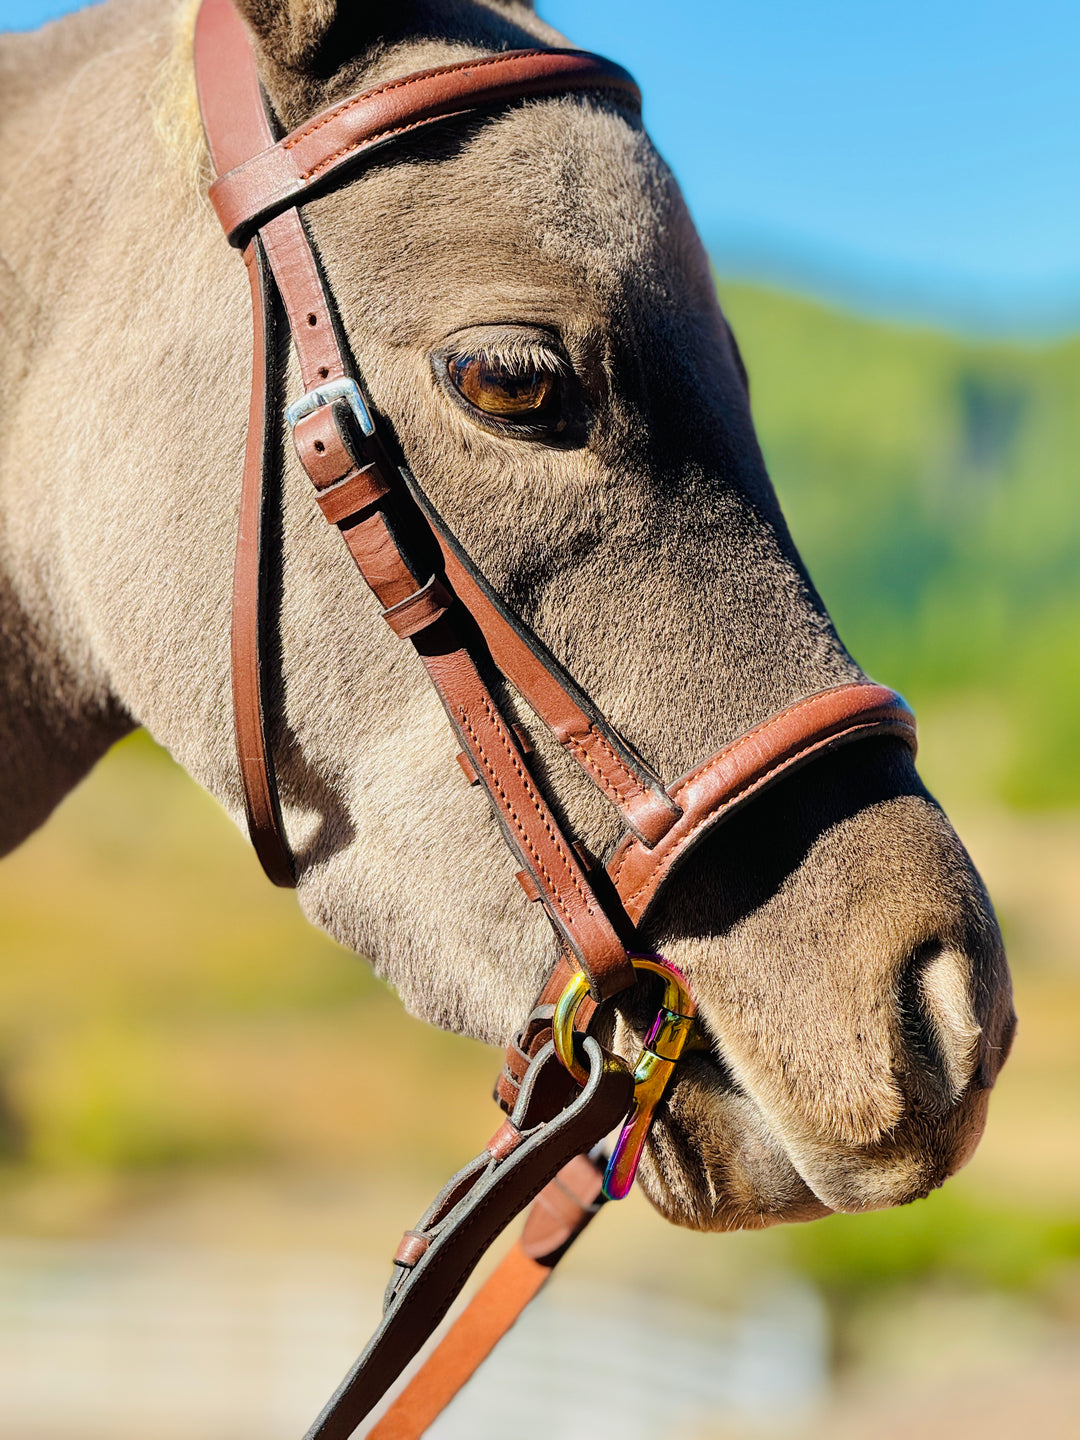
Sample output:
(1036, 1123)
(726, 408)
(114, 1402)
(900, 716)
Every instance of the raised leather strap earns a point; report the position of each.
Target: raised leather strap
(471, 1211)
(249, 604)
(761, 757)
(527, 822)
(230, 96)
(556, 1218)
(236, 125)
(635, 790)
(260, 185)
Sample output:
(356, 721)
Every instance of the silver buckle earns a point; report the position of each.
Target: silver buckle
(343, 389)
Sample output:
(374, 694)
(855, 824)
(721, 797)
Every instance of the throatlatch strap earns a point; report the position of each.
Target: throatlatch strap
(250, 680)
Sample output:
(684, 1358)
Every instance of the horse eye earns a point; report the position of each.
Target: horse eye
(501, 390)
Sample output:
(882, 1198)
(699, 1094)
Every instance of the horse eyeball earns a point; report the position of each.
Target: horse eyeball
(500, 390)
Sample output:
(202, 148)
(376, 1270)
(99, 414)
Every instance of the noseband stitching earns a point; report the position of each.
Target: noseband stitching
(493, 772)
(755, 782)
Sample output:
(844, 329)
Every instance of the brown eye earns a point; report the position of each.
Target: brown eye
(501, 390)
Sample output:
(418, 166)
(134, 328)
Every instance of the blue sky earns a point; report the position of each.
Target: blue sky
(918, 158)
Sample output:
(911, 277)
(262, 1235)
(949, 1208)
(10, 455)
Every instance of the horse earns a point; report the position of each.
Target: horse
(535, 321)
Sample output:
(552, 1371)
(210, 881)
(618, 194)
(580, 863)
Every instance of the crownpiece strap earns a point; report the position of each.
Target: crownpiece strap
(249, 193)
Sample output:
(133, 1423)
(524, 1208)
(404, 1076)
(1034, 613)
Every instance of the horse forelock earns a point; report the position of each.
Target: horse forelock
(174, 106)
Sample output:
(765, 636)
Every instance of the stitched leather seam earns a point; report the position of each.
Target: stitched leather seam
(367, 140)
(732, 749)
(716, 761)
(596, 769)
(630, 790)
(752, 734)
(329, 160)
(392, 85)
(554, 890)
(606, 747)
(537, 806)
(724, 802)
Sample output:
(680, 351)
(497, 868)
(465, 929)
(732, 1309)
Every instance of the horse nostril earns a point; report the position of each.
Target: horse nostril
(939, 1025)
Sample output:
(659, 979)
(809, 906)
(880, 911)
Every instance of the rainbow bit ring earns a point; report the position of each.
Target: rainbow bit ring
(653, 1069)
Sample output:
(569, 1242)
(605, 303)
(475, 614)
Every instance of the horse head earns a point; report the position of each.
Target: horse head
(536, 325)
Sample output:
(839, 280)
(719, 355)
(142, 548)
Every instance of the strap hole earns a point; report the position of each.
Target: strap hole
(323, 372)
(312, 319)
(319, 446)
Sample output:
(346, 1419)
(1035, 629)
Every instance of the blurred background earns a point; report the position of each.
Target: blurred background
(213, 1124)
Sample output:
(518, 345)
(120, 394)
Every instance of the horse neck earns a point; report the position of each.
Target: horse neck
(55, 719)
(57, 713)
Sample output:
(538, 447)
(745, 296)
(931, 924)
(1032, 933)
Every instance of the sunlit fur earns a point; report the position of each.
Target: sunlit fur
(844, 954)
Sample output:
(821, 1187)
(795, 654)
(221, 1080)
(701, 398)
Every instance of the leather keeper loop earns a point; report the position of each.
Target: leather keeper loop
(411, 1249)
(323, 443)
(529, 885)
(651, 817)
(506, 1091)
(419, 610)
(353, 494)
(468, 769)
(505, 1140)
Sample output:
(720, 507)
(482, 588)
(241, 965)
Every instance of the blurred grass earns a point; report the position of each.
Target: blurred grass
(168, 1021)
(930, 483)
(951, 1236)
(162, 1005)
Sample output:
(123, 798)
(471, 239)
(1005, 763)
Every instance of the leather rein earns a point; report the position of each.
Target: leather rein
(563, 1092)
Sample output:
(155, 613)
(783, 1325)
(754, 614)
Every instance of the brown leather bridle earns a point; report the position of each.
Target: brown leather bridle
(459, 628)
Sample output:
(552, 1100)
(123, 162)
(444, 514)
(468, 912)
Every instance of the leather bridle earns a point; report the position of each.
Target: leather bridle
(461, 631)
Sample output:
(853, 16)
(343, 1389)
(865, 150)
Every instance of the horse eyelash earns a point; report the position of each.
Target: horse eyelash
(522, 354)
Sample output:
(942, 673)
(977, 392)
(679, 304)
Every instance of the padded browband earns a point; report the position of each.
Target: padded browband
(249, 193)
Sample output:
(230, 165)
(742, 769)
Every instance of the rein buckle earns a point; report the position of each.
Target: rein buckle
(653, 1070)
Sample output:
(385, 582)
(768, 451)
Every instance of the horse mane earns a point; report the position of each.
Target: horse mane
(174, 105)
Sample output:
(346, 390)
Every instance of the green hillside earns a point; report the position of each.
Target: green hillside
(931, 485)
